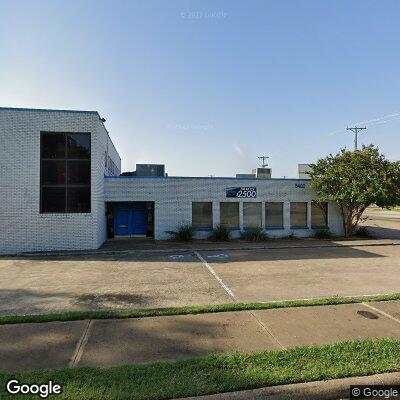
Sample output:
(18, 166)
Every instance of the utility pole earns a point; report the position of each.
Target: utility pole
(263, 163)
(355, 130)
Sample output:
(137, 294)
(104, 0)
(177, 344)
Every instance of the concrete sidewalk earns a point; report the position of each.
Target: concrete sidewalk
(138, 245)
(138, 340)
(237, 244)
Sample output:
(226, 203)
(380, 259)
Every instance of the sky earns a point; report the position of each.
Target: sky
(205, 87)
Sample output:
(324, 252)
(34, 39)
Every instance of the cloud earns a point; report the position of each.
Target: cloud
(238, 150)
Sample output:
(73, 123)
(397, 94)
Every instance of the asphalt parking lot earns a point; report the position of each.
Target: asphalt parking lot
(117, 280)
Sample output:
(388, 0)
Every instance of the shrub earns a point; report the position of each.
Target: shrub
(220, 234)
(183, 234)
(254, 234)
(322, 233)
(289, 236)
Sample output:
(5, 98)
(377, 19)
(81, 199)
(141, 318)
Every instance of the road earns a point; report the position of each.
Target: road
(383, 224)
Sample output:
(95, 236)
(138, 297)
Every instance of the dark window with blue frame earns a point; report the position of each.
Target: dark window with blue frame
(298, 215)
(202, 215)
(274, 215)
(65, 167)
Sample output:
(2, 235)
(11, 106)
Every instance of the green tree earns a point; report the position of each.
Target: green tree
(356, 180)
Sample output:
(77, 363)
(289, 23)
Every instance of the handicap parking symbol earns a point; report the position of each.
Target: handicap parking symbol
(219, 256)
(176, 256)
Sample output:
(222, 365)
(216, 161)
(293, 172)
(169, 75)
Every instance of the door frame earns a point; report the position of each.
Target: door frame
(146, 206)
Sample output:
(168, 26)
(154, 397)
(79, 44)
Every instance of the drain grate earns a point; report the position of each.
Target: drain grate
(367, 314)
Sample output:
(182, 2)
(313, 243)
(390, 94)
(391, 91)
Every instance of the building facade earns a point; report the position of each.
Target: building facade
(30, 185)
(280, 206)
(61, 189)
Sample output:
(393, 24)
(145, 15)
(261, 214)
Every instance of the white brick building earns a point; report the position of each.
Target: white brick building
(173, 199)
(23, 227)
(60, 189)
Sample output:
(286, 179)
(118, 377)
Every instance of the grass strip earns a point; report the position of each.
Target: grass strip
(156, 312)
(218, 373)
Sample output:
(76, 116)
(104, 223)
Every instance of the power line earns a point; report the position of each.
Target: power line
(355, 130)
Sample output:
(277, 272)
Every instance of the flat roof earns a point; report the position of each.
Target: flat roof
(206, 177)
(48, 110)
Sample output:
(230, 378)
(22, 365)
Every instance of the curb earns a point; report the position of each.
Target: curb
(185, 249)
(319, 390)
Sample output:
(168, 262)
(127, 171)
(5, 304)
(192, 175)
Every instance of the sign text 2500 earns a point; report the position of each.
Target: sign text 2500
(242, 192)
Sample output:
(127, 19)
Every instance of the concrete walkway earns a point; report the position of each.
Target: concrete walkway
(139, 340)
(118, 246)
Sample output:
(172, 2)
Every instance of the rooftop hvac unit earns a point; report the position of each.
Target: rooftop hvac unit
(304, 170)
(262, 173)
(150, 170)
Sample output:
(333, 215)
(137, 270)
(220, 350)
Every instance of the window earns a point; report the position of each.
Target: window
(78, 172)
(252, 215)
(202, 215)
(319, 215)
(78, 199)
(53, 199)
(229, 214)
(298, 215)
(65, 172)
(274, 215)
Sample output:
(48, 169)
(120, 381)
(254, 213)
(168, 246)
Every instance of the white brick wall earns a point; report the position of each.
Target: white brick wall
(22, 227)
(173, 199)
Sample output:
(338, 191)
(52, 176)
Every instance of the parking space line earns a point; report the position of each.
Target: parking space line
(229, 291)
(381, 312)
(77, 355)
(215, 275)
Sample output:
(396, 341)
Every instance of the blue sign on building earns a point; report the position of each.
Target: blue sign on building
(242, 192)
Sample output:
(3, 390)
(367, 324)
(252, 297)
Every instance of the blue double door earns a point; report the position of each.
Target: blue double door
(130, 219)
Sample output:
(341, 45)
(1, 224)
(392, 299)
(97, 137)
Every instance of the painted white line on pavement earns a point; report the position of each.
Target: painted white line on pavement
(229, 291)
(382, 312)
(215, 275)
(76, 357)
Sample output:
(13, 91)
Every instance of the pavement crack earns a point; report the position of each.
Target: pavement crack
(80, 347)
(266, 329)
